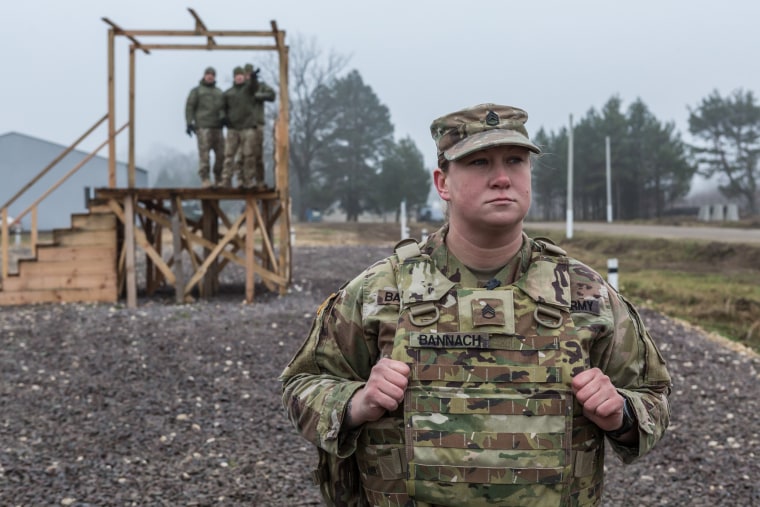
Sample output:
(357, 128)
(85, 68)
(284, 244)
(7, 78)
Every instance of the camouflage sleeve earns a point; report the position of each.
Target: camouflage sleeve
(627, 354)
(333, 363)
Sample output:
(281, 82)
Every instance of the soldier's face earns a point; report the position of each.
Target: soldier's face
(487, 189)
(239, 78)
(209, 77)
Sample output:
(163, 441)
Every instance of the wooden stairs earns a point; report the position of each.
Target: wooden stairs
(79, 264)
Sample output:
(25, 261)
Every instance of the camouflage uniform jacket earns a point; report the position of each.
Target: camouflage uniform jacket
(351, 332)
(205, 106)
(244, 104)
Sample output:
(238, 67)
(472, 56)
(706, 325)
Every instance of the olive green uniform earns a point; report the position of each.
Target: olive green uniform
(204, 110)
(244, 106)
(488, 417)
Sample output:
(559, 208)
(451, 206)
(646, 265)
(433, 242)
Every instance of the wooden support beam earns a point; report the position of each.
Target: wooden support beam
(179, 276)
(139, 237)
(118, 31)
(4, 253)
(265, 239)
(129, 239)
(237, 47)
(250, 204)
(200, 27)
(213, 254)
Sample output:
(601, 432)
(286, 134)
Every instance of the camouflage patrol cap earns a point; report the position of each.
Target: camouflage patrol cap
(237, 70)
(248, 68)
(479, 127)
(210, 70)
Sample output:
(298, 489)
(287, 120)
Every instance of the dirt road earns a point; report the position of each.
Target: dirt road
(725, 234)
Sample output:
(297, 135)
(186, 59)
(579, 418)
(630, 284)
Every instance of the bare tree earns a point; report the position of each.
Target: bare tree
(310, 69)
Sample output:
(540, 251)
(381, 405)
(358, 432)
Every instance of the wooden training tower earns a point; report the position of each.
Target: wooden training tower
(95, 259)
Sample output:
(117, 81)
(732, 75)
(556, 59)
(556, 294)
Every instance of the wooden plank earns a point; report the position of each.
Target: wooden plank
(105, 295)
(60, 281)
(93, 221)
(27, 268)
(67, 237)
(56, 253)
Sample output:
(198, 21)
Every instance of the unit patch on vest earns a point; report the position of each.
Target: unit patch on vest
(585, 306)
(388, 297)
(449, 340)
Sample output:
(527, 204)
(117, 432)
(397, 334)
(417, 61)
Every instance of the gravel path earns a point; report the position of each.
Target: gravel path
(178, 405)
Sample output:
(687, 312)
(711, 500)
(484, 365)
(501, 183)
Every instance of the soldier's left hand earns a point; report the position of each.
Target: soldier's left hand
(602, 404)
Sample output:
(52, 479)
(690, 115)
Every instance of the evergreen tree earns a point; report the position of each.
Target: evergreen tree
(403, 177)
(649, 165)
(550, 175)
(357, 135)
(658, 157)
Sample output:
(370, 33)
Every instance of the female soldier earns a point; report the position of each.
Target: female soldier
(481, 367)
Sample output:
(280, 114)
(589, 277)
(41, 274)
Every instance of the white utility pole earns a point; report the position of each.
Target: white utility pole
(609, 181)
(569, 213)
(404, 228)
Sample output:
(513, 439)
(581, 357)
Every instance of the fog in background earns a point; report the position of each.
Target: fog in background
(423, 59)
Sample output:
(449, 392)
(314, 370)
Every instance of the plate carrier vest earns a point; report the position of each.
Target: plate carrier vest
(489, 417)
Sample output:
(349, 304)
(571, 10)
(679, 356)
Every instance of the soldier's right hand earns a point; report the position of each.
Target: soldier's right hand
(383, 392)
(190, 129)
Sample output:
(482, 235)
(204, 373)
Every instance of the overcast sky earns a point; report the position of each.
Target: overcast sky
(422, 58)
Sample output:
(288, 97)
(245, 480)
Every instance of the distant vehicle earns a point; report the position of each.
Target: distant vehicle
(192, 210)
(15, 227)
(313, 215)
(430, 214)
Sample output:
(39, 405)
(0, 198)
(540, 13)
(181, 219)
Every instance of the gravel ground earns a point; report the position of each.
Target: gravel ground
(178, 405)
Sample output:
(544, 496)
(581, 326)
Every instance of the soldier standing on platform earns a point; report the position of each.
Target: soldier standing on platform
(238, 106)
(204, 114)
(264, 93)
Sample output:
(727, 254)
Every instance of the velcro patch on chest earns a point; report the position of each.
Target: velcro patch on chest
(388, 297)
(488, 311)
(591, 306)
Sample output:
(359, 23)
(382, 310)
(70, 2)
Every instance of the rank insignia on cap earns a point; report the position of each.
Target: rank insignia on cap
(492, 119)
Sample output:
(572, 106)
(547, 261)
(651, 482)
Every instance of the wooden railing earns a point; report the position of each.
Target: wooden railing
(33, 237)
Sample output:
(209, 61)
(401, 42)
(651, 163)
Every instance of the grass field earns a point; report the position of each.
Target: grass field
(715, 286)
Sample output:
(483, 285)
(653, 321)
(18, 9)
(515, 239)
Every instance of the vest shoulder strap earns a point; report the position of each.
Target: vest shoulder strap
(546, 245)
(407, 248)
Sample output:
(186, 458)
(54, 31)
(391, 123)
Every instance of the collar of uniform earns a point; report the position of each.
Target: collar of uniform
(458, 273)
